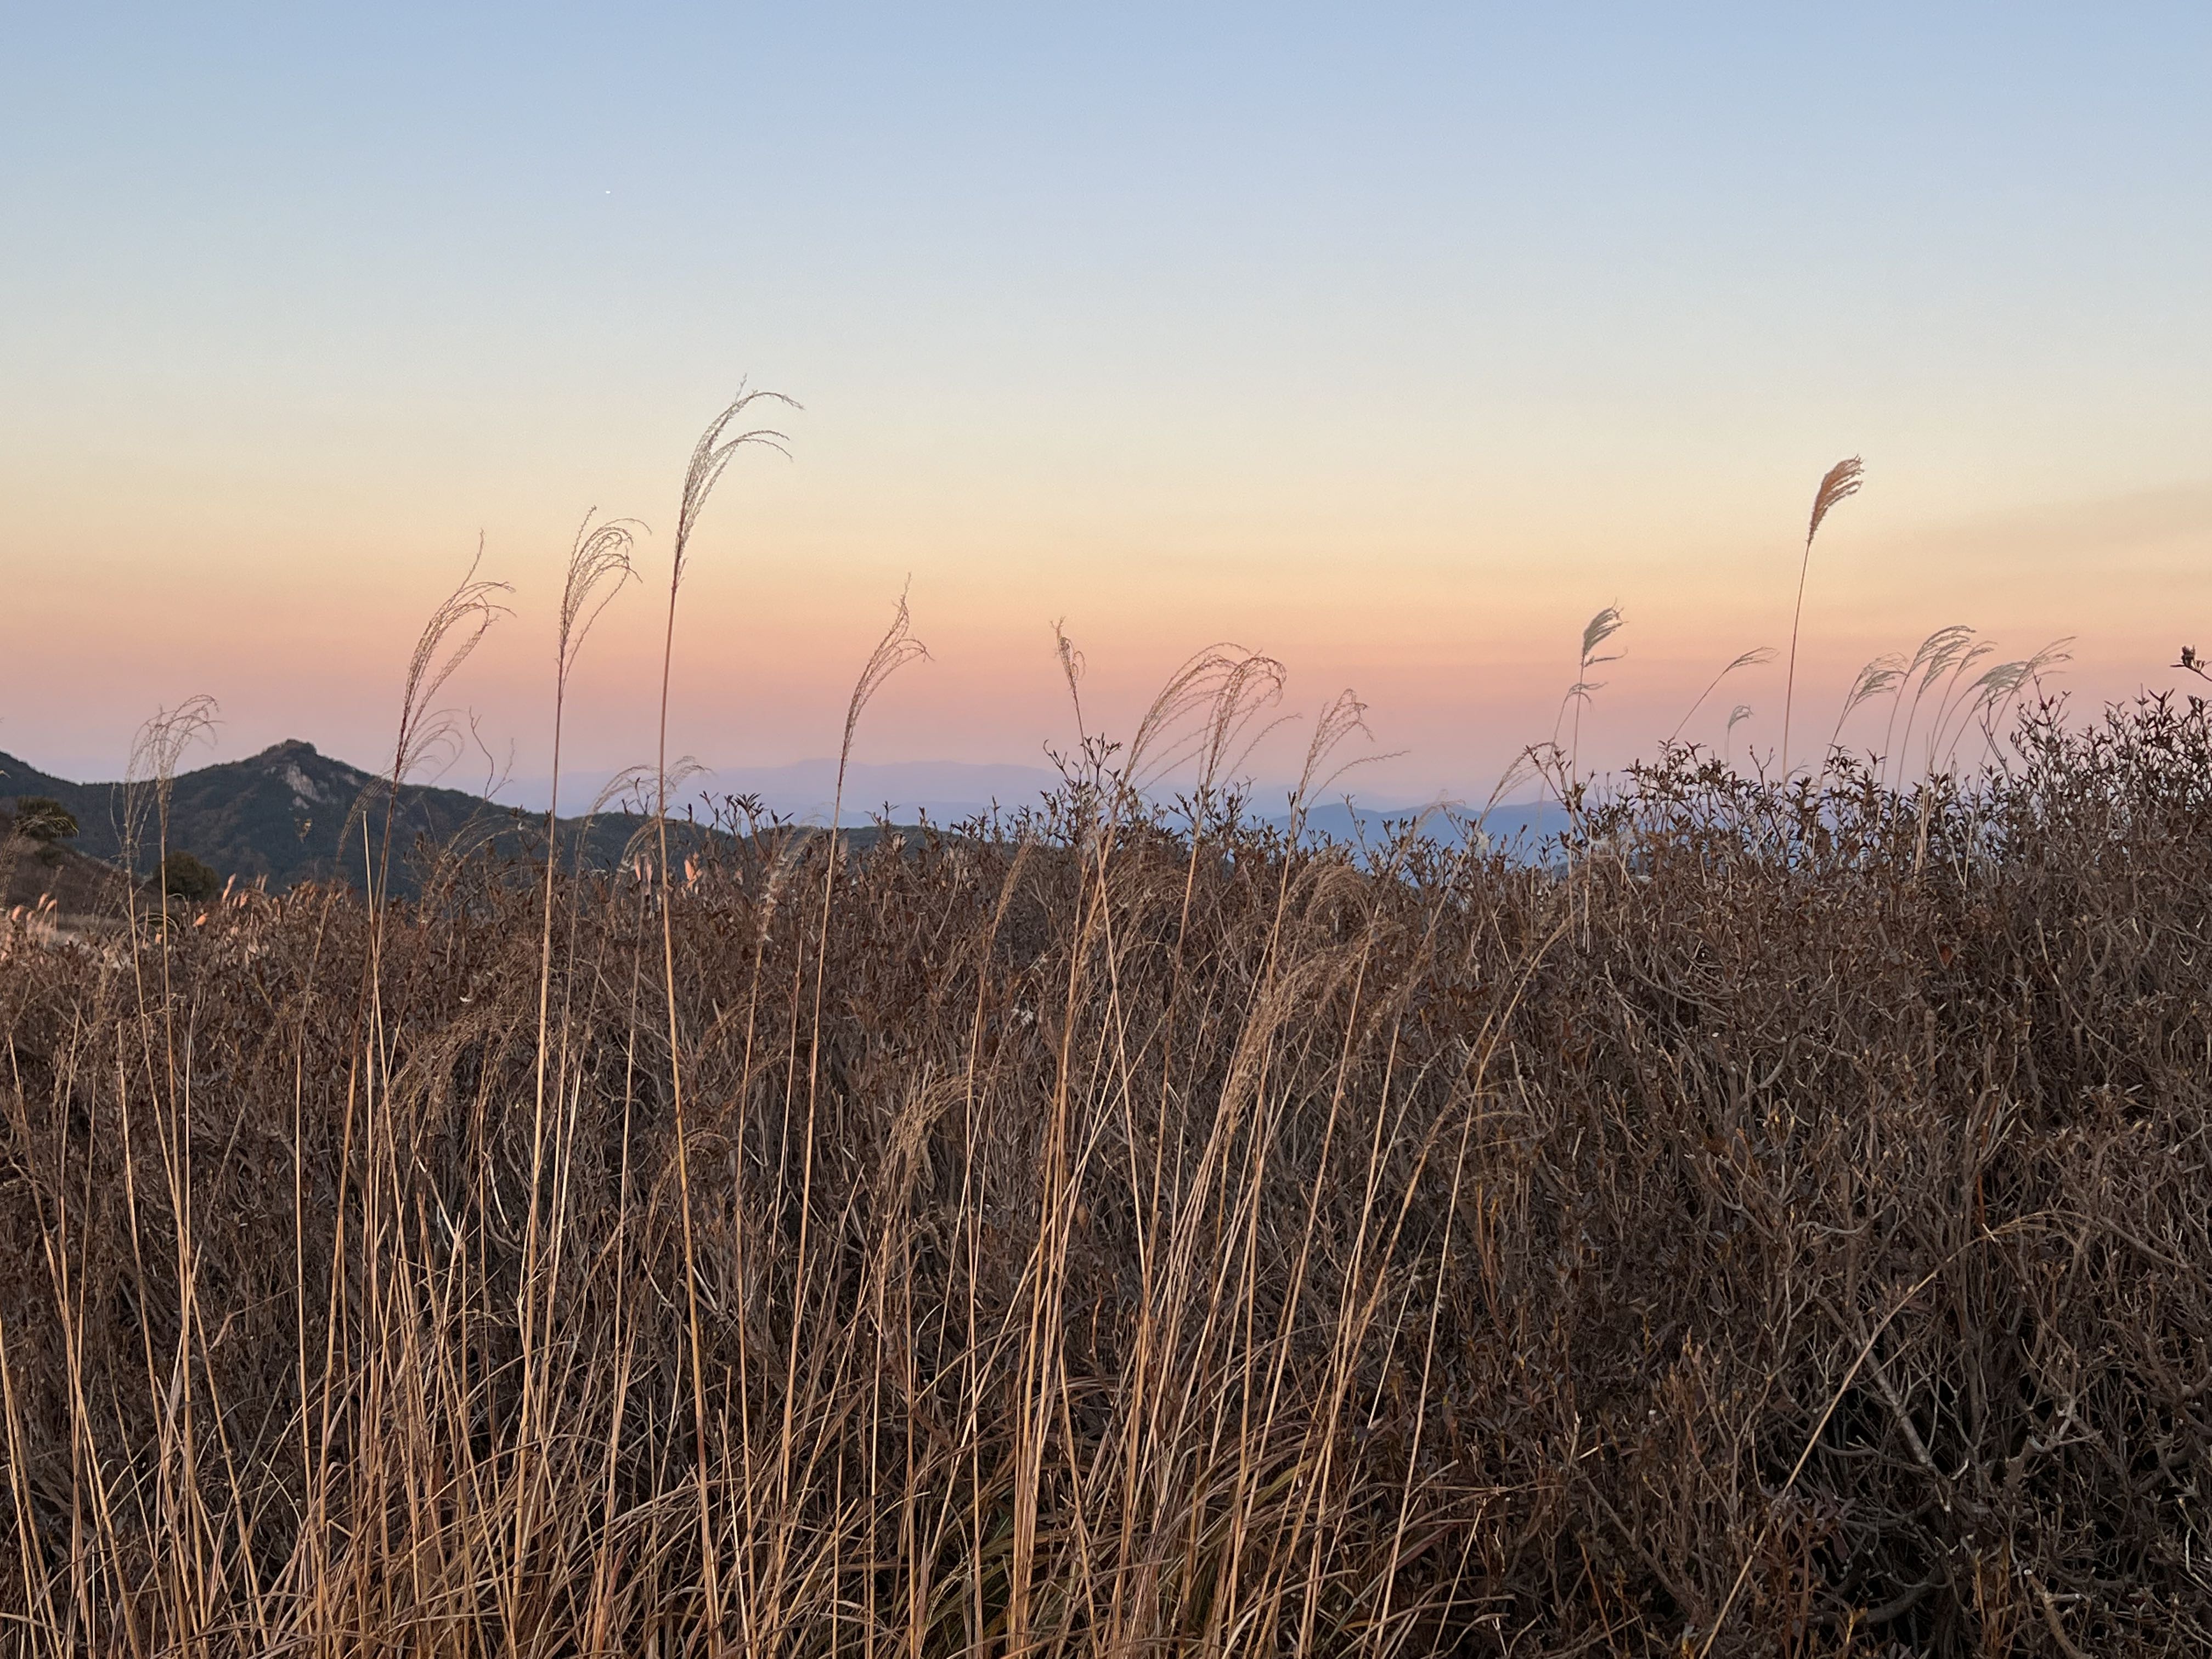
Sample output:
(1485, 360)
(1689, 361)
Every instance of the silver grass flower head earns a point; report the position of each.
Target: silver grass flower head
(1840, 482)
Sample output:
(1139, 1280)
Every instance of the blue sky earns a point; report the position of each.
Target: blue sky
(1394, 339)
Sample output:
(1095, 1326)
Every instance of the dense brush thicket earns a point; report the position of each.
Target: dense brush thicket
(1778, 1224)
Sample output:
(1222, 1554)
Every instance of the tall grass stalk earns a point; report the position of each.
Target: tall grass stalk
(710, 457)
(1838, 485)
(1757, 657)
(599, 565)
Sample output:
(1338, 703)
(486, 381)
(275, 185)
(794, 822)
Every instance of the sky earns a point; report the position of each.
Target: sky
(1393, 341)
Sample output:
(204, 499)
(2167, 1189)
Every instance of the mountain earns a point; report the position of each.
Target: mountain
(950, 792)
(802, 791)
(291, 814)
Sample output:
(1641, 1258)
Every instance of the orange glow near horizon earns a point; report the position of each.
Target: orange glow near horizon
(1461, 652)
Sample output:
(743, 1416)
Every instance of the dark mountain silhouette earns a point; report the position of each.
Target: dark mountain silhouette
(290, 814)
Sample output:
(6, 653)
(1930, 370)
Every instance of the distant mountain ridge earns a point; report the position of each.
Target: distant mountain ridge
(804, 790)
(287, 815)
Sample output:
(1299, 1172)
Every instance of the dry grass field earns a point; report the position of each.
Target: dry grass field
(1776, 1224)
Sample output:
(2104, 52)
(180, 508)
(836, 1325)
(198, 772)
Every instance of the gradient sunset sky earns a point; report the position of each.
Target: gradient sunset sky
(1393, 340)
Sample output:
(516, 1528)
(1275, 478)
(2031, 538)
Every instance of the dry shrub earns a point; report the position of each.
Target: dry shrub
(1113, 1238)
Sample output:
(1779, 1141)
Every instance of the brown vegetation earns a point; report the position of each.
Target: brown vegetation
(41, 873)
(1775, 1221)
(1783, 1232)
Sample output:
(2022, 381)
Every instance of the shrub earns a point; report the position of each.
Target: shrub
(42, 818)
(185, 877)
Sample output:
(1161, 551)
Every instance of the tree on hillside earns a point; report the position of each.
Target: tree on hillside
(45, 819)
(184, 877)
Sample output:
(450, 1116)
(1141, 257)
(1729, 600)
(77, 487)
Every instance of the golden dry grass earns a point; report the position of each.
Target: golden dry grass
(1106, 1240)
(1778, 1224)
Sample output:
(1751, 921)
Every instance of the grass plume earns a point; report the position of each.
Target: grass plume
(1839, 483)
